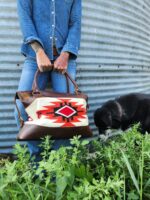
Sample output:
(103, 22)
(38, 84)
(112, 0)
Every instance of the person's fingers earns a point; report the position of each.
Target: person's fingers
(59, 69)
(48, 67)
(64, 71)
(40, 68)
(45, 67)
(55, 65)
(60, 66)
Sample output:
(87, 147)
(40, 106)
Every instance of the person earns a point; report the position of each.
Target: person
(51, 32)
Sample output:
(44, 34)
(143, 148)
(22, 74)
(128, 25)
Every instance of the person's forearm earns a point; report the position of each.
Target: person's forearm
(43, 62)
(36, 46)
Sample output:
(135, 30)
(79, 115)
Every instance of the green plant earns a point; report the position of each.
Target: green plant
(118, 169)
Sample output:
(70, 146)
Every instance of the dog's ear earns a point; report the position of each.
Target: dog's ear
(116, 120)
(107, 119)
(102, 118)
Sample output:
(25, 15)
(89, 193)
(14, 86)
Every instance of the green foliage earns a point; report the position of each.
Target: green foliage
(113, 170)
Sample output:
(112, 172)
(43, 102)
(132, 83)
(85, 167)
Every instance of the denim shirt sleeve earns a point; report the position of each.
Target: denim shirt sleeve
(72, 44)
(24, 8)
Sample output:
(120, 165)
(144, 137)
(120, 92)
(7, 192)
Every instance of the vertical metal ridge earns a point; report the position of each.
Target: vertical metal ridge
(114, 57)
(115, 51)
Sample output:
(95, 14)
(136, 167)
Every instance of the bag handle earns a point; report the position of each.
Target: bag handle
(19, 114)
(35, 87)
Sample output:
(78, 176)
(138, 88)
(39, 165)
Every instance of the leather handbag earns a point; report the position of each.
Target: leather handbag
(60, 115)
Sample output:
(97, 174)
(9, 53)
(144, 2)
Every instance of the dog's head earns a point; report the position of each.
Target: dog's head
(108, 117)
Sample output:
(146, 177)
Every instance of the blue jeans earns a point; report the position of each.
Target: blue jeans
(58, 82)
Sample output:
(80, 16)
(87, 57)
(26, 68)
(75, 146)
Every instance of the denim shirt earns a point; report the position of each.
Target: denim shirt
(47, 21)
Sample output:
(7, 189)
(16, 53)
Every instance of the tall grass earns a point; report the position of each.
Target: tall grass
(113, 170)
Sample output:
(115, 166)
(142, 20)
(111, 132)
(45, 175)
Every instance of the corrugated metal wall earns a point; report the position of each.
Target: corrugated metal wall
(114, 57)
(10, 39)
(115, 51)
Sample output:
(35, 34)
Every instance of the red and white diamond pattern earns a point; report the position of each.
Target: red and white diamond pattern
(66, 111)
(57, 112)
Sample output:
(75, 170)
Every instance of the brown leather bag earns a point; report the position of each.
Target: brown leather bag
(60, 115)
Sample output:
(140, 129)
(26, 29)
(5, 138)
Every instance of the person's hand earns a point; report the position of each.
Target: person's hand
(61, 62)
(43, 62)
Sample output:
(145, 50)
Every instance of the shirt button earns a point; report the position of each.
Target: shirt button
(50, 37)
(52, 25)
(52, 12)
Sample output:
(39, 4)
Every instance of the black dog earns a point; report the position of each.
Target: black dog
(124, 112)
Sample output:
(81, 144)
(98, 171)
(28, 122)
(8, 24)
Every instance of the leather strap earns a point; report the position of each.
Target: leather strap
(67, 81)
(74, 83)
(55, 53)
(35, 87)
(19, 114)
